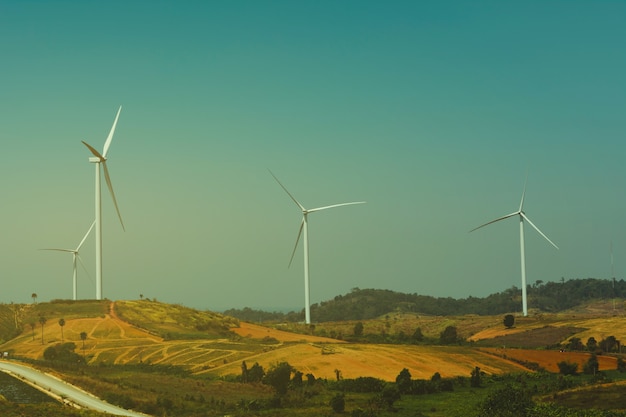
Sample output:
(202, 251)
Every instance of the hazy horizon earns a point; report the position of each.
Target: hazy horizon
(433, 113)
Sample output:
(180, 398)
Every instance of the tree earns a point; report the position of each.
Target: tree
(83, 337)
(358, 329)
(32, 327)
(621, 364)
(34, 297)
(42, 321)
(448, 336)
(575, 344)
(256, 373)
(609, 344)
(592, 366)
(417, 336)
(278, 377)
(62, 324)
(509, 321)
(567, 368)
(592, 344)
(403, 381)
(475, 377)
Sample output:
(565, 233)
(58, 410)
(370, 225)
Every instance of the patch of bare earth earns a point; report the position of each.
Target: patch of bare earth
(255, 331)
(549, 359)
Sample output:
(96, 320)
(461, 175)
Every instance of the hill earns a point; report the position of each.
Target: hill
(364, 304)
(206, 343)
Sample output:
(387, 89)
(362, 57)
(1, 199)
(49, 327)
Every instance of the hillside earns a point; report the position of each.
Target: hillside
(364, 304)
(220, 349)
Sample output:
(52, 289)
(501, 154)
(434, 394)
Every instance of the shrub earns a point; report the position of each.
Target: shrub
(567, 368)
(338, 403)
(509, 321)
(508, 401)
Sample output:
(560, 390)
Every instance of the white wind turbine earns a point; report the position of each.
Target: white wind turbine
(75, 256)
(522, 217)
(100, 159)
(304, 226)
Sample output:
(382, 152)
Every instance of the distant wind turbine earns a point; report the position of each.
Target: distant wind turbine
(304, 226)
(100, 159)
(522, 217)
(75, 256)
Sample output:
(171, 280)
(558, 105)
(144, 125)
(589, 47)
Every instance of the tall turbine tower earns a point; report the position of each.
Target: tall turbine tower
(100, 159)
(522, 217)
(304, 226)
(75, 256)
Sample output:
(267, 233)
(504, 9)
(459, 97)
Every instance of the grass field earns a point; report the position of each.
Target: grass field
(187, 356)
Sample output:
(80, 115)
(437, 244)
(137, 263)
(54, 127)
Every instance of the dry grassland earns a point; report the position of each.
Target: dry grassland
(112, 340)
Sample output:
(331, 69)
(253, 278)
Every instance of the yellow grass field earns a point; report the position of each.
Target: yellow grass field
(112, 340)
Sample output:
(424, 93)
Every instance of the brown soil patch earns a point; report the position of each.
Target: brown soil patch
(254, 331)
(548, 359)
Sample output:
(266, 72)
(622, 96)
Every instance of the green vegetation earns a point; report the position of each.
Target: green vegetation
(372, 303)
(157, 385)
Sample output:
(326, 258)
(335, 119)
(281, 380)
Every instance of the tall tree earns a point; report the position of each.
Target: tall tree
(42, 321)
(83, 337)
(34, 297)
(62, 324)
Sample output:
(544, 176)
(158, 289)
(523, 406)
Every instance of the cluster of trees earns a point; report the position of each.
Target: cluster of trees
(366, 304)
(607, 345)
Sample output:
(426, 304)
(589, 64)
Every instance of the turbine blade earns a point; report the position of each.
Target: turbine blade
(94, 151)
(496, 220)
(85, 238)
(108, 180)
(83, 265)
(60, 250)
(521, 204)
(296, 245)
(537, 229)
(335, 205)
(288, 193)
(110, 137)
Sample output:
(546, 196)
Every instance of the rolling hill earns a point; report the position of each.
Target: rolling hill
(205, 343)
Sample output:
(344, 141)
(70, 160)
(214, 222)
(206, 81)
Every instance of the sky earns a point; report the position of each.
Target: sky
(434, 113)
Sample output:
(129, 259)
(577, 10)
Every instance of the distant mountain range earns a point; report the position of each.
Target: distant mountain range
(363, 304)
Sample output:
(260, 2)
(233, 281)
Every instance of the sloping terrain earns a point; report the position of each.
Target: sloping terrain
(208, 343)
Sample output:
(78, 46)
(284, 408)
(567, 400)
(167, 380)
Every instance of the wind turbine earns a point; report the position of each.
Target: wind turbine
(100, 159)
(304, 226)
(522, 217)
(75, 256)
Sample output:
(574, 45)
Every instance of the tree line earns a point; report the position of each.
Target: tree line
(363, 304)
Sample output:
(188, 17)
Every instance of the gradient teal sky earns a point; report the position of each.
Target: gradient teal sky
(432, 112)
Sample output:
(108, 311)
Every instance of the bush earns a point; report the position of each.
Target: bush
(567, 368)
(509, 321)
(63, 352)
(448, 336)
(403, 381)
(338, 403)
(508, 401)
(278, 377)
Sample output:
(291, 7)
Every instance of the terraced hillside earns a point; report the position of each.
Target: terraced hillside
(130, 332)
